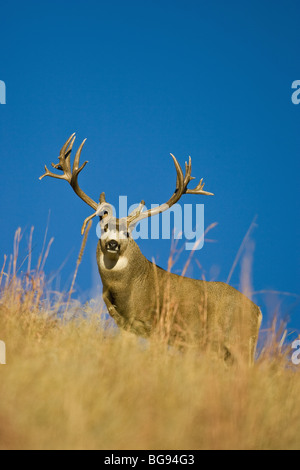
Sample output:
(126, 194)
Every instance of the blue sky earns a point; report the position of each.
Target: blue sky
(140, 80)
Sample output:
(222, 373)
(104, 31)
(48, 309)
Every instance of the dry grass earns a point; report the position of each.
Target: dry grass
(76, 383)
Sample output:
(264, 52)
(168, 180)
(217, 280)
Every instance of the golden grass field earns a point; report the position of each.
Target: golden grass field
(78, 383)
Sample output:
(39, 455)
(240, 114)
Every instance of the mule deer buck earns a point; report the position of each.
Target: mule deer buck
(141, 297)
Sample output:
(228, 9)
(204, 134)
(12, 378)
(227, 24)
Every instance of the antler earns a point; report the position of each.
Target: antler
(71, 176)
(181, 188)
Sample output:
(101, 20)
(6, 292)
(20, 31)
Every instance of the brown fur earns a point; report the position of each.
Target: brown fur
(142, 297)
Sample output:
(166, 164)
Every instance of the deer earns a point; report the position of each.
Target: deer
(143, 298)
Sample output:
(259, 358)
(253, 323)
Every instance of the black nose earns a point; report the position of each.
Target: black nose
(112, 245)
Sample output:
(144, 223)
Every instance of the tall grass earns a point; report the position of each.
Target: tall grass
(74, 382)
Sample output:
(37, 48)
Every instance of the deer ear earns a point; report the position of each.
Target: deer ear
(105, 212)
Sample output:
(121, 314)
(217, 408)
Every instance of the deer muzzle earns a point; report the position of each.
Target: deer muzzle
(112, 246)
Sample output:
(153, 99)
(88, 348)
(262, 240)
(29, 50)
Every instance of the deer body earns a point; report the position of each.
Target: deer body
(203, 314)
(144, 299)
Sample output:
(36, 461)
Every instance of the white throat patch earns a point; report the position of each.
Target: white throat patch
(110, 264)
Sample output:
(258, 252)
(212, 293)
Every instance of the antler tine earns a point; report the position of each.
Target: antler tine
(199, 190)
(65, 156)
(77, 159)
(180, 177)
(189, 178)
(53, 175)
(66, 144)
(71, 175)
(188, 172)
